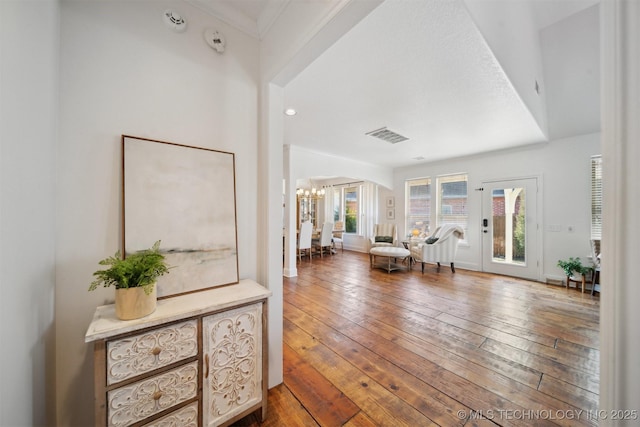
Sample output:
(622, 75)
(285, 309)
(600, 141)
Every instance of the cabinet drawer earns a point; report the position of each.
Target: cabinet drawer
(137, 401)
(183, 417)
(139, 354)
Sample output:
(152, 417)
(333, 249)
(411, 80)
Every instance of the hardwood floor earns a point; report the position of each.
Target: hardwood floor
(364, 347)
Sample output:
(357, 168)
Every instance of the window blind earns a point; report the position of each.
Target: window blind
(596, 197)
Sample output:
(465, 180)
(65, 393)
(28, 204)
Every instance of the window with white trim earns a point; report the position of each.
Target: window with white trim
(351, 204)
(452, 196)
(418, 206)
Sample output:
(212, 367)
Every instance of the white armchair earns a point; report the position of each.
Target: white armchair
(443, 249)
(384, 235)
(304, 239)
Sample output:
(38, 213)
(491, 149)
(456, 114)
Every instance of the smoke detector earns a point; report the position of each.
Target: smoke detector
(174, 21)
(387, 135)
(215, 39)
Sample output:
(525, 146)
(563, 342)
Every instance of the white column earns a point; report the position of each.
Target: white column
(620, 317)
(269, 239)
(290, 225)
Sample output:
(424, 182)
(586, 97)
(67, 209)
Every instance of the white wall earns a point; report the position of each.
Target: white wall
(306, 164)
(28, 131)
(509, 29)
(124, 71)
(571, 56)
(564, 166)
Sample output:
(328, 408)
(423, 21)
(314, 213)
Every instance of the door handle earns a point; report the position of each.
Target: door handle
(206, 366)
(485, 223)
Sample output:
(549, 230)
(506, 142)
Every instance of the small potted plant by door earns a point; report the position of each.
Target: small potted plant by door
(135, 280)
(573, 269)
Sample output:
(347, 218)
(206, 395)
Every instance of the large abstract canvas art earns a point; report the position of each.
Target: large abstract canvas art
(185, 197)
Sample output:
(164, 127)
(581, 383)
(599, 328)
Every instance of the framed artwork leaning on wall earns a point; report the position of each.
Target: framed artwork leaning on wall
(185, 197)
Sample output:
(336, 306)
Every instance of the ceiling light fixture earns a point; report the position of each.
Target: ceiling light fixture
(174, 21)
(290, 112)
(313, 194)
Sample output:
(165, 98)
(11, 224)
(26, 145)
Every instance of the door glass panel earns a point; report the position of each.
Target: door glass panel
(307, 211)
(304, 210)
(508, 223)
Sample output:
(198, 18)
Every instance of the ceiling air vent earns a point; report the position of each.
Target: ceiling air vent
(387, 135)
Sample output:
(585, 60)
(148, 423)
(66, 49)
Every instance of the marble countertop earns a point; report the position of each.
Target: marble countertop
(105, 324)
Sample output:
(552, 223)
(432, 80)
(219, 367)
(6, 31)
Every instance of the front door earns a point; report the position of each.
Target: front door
(510, 228)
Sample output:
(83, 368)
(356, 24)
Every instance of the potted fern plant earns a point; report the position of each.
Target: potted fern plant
(573, 268)
(134, 278)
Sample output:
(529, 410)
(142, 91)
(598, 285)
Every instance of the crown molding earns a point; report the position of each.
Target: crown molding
(234, 17)
(228, 15)
(272, 10)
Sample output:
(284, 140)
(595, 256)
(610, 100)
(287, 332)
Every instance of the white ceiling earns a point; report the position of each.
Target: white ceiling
(251, 8)
(422, 69)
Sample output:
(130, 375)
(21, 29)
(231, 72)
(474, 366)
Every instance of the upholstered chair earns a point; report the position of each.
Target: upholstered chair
(338, 233)
(304, 239)
(325, 240)
(441, 246)
(384, 235)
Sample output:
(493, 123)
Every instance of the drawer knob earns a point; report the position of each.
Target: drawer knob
(156, 351)
(157, 395)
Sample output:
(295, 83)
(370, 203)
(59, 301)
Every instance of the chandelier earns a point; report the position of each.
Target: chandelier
(310, 194)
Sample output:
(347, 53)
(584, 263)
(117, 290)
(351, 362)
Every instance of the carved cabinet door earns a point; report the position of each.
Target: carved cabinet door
(232, 366)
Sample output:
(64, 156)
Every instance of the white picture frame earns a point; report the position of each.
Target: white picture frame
(390, 202)
(391, 214)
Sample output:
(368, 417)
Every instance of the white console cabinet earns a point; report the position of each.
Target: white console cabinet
(199, 360)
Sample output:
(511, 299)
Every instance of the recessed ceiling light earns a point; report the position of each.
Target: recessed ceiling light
(290, 112)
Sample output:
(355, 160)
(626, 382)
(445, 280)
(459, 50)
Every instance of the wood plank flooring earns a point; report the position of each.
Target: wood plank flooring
(364, 347)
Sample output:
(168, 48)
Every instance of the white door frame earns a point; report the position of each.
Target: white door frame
(538, 251)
